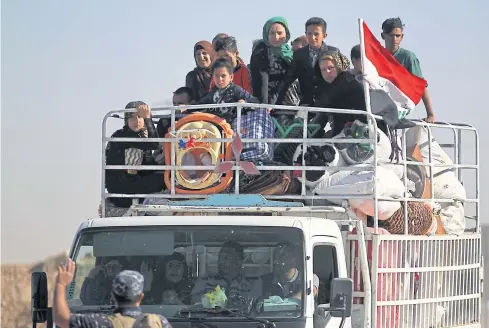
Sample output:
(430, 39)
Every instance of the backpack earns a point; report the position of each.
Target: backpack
(144, 320)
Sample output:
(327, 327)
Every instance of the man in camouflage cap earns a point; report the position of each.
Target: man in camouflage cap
(127, 287)
(127, 291)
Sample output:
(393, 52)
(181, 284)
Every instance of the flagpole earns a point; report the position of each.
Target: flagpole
(366, 93)
(363, 60)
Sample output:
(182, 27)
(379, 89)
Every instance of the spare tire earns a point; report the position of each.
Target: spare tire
(417, 175)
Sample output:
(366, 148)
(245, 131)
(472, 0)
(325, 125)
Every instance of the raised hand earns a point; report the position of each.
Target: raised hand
(147, 272)
(66, 272)
(144, 111)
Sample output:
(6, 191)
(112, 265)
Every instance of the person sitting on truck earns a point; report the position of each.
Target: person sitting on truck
(199, 79)
(224, 35)
(285, 280)
(136, 125)
(271, 60)
(356, 61)
(225, 91)
(338, 89)
(299, 42)
(217, 37)
(230, 276)
(127, 291)
(181, 96)
(228, 48)
(304, 61)
(392, 34)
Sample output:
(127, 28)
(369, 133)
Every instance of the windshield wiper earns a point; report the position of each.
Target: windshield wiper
(226, 311)
(186, 315)
(97, 309)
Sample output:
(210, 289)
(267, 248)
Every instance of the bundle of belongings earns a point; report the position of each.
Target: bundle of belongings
(193, 149)
(358, 185)
(197, 133)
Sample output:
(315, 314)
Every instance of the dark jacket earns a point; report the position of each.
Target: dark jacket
(121, 181)
(303, 70)
(231, 94)
(271, 286)
(267, 80)
(345, 92)
(199, 80)
(241, 77)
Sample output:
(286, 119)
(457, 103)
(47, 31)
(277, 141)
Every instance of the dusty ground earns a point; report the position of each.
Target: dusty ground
(16, 290)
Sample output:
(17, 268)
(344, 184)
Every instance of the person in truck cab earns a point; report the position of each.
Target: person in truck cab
(392, 34)
(230, 277)
(127, 291)
(171, 285)
(227, 48)
(285, 280)
(95, 289)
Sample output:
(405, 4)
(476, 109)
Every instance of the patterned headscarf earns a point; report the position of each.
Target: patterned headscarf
(128, 115)
(340, 61)
(131, 105)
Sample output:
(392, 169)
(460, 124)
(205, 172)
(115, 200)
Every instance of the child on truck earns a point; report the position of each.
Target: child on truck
(137, 125)
(255, 123)
(225, 91)
(227, 48)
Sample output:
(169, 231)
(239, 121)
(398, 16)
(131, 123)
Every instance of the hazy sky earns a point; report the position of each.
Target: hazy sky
(65, 63)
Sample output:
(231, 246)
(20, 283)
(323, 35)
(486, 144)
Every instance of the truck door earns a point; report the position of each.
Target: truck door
(328, 258)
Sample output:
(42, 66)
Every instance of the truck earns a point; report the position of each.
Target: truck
(334, 267)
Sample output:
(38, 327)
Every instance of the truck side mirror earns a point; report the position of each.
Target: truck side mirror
(39, 297)
(341, 298)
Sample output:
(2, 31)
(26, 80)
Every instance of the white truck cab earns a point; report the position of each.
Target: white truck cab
(228, 259)
(316, 243)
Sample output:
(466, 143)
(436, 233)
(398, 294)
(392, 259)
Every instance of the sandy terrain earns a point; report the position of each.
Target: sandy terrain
(16, 290)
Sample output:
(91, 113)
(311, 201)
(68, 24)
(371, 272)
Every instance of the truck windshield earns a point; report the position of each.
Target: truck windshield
(257, 271)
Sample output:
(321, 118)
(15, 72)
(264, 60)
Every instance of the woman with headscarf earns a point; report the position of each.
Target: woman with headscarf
(339, 90)
(137, 125)
(270, 61)
(199, 79)
(175, 288)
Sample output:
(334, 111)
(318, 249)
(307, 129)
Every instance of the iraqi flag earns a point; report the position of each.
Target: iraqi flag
(388, 80)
